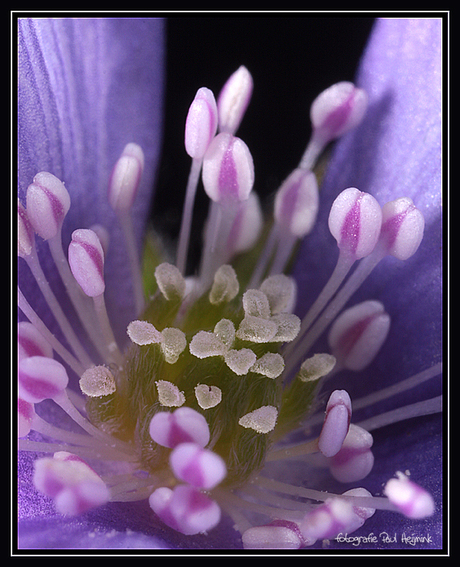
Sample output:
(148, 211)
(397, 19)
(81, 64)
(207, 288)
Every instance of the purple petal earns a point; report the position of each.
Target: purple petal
(86, 88)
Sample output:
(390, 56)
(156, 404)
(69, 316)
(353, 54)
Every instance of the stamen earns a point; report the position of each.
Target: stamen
(280, 534)
(233, 100)
(240, 361)
(335, 111)
(411, 499)
(200, 129)
(355, 460)
(70, 482)
(169, 394)
(48, 202)
(86, 259)
(41, 378)
(31, 342)
(26, 413)
(173, 344)
(185, 509)
(208, 396)
(123, 185)
(97, 381)
(225, 286)
(336, 423)
(281, 292)
(196, 466)
(358, 333)
(271, 365)
(170, 281)
(143, 333)
(181, 426)
(261, 420)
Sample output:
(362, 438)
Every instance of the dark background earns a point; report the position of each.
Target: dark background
(292, 58)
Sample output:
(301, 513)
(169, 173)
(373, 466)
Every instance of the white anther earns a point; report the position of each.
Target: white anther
(255, 303)
(256, 329)
(261, 420)
(410, 498)
(288, 327)
(174, 343)
(240, 361)
(205, 344)
(143, 333)
(208, 396)
(170, 281)
(225, 286)
(281, 292)
(316, 367)
(225, 331)
(97, 381)
(169, 394)
(271, 364)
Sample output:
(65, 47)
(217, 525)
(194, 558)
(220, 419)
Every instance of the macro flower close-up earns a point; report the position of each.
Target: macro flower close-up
(269, 381)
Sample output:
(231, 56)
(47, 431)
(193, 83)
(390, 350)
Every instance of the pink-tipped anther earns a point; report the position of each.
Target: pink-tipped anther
(181, 426)
(337, 110)
(196, 466)
(47, 203)
(185, 509)
(410, 498)
(86, 259)
(355, 460)
(358, 334)
(402, 228)
(296, 203)
(31, 342)
(228, 169)
(279, 534)
(25, 233)
(336, 423)
(40, 378)
(26, 412)
(354, 221)
(125, 178)
(201, 123)
(70, 482)
(361, 514)
(234, 99)
(246, 227)
(328, 520)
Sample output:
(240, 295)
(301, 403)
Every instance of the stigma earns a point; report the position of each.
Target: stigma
(218, 376)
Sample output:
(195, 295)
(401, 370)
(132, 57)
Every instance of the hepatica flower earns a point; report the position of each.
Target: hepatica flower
(239, 406)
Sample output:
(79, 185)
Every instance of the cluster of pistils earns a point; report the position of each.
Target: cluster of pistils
(218, 371)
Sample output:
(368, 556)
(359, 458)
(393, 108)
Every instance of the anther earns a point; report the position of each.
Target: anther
(170, 281)
(354, 221)
(281, 292)
(358, 333)
(233, 100)
(47, 203)
(334, 112)
(173, 344)
(257, 329)
(205, 344)
(225, 286)
(328, 520)
(355, 460)
(228, 169)
(181, 426)
(246, 227)
(26, 237)
(280, 534)
(240, 361)
(261, 420)
(41, 378)
(70, 482)
(336, 423)
(86, 259)
(97, 381)
(271, 365)
(208, 396)
(26, 413)
(31, 342)
(169, 394)
(143, 333)
(410, 498)
(185, 509)
(316, 367)
(296, 203)
(125, 178)
(196, 466)
(201, 123)
(402, 228)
